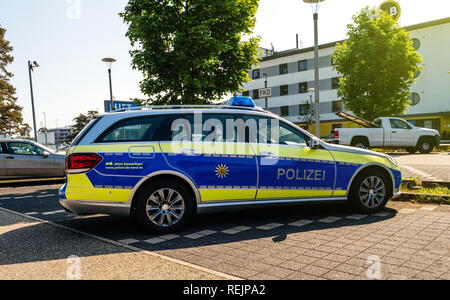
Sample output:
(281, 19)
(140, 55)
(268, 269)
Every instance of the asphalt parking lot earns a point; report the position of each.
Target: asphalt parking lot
(426, 167)
(404, 241)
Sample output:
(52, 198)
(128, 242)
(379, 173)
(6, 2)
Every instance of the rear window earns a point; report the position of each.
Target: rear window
(84, 132)
(135, 130)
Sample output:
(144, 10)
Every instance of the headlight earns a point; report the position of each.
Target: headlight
(393, 161)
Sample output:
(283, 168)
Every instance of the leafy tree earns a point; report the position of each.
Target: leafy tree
(24, 131)
(377, 64)
(82, 121)
(10, 112)
(191, 51)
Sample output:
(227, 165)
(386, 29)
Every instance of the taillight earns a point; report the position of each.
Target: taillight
(81, 162)
(336, 135)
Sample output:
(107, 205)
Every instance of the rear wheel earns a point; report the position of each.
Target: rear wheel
(370, 191)
(425, 146)
(360, 143)
(164, 206)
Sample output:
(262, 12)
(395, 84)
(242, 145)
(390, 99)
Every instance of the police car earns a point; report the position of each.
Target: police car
(166, 164)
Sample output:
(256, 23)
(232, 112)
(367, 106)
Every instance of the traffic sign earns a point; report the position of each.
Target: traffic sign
(265, 93)
(392, 8)
(119, 105)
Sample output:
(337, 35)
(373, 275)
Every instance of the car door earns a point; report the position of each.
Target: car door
(288, 168)
(2, 160)
(400, 133)
(25, 159)
(205, 148)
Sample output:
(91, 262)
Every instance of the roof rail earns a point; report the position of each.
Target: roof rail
(137, 108)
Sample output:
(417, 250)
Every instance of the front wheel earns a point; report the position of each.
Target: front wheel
(370, 191)
(425, 146)
(164, 206)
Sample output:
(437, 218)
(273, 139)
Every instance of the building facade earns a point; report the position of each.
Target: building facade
(290, 74)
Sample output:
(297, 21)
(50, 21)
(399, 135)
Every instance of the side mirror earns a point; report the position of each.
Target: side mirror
(314, 143)
(45, 154)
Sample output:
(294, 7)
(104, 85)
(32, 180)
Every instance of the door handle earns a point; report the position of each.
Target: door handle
(9, 157)
(190, 152)
(268, 154)
(394, 131)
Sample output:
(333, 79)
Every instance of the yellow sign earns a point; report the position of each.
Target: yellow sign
(392, 8)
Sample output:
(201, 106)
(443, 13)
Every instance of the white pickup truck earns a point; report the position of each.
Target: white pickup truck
(386, 132)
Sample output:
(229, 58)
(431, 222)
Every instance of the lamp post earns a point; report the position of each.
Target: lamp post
(45, 128)
(31, 67)
(315, 4)
(310, 113)
(109, 62)
(265, 86)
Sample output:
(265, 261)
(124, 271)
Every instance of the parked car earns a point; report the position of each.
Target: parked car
(386, 132)
(27, 159)
(166, 164)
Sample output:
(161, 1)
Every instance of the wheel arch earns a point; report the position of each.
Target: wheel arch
(164, 175)
(360, 137)
(374, 165)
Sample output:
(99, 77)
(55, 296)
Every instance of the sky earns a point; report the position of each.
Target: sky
(68, 38)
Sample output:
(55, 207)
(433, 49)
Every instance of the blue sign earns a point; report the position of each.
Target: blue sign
(118, 105)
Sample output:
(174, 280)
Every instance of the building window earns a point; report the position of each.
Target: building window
(283, 69)
(414, 99)
(337, 106)
(256, 74)
(303, 87)
(255, 94)
(246, 93)
(303, 109)
(284, 90)
(416, 44)
(302, 65)
(335, 83)
(284, 111)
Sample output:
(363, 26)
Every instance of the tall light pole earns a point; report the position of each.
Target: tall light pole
(265, 86)
(45, 128)
(109, 62)
(310, 113)
(315, 4)
(31, 67)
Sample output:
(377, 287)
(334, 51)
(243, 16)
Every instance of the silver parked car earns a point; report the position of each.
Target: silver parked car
(27, 159)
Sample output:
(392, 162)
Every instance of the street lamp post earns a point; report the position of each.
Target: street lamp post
(31, 67)
(265, 86)
(45, 128)
(310, 113)
(315, 4)
(109, 62)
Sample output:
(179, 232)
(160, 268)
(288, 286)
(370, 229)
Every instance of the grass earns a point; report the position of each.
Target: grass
(419, 194)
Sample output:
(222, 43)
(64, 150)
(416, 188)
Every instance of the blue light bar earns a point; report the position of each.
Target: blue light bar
(242, 101)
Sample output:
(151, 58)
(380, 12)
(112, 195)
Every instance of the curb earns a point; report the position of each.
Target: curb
(422, 198)
(426, 183)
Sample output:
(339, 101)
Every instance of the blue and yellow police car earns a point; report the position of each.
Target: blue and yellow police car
(166, 164)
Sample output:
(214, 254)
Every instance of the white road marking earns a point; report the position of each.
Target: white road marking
(23, 197)
(32, 213)
(421, 174)
(236, 230)
(429, 208)
(381, 214)
(154, 241)
(194, 236)
(269, 226)
(301, 223)
(45, 196)
(407, 210)
(168, 237)
(53, 212)
(128, 241)
(330, 219)
(5, 198)
(356, 217)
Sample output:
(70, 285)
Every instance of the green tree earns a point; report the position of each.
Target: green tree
(24, 131)
(191, 51)
(377, 64)
(82, 121)
(10, 112)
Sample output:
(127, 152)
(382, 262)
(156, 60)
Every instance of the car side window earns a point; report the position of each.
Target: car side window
(134, 130)
(213, 128)
(24, 149)
(2, 148)
(273, 131)
(399, 124)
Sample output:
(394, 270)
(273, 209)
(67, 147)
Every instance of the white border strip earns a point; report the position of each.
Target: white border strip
(167, 258)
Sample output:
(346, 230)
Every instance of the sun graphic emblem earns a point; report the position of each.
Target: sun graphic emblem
(222, 171)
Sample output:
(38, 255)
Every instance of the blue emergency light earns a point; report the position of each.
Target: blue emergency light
(242, 101)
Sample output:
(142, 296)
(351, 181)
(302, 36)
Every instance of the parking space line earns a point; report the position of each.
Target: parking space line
(235, 230)
(330, 219)
(5, 198)
(270, 226)
(356, 217)
(407, 210)
(301, 223)
(53, 212)
(128, 241)
(46, 196)
(429, 208)
(23, 197)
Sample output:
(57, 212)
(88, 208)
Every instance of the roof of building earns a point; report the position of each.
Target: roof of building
(332, 44)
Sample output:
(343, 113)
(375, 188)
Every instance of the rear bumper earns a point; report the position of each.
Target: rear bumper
(89, 208)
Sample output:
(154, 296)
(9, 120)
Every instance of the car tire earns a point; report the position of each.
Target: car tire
(370, 191)
(411, 150)
(360, 143)
(425, 146)
(164, 206)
